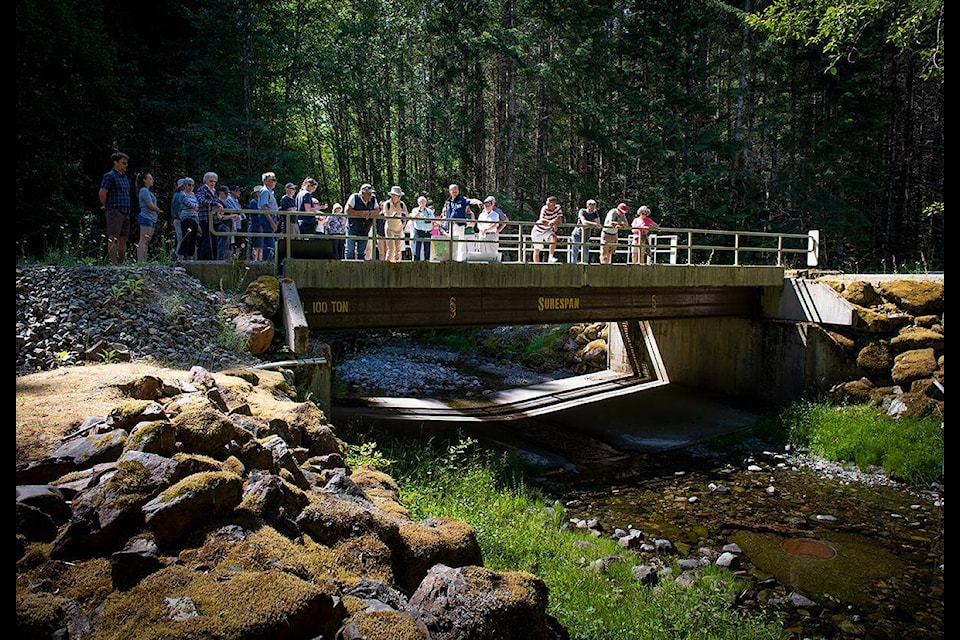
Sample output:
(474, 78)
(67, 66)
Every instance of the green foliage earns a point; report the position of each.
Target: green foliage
(129, 286)
(453, 339)
(367, 454)
(518, 530)
(908, 449)
(229, 338)
(133, 285)
(109, 356)
(174, 305)
(711, 126)
(842, 28)
(62, 359)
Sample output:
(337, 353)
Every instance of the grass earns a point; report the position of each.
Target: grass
(518, 530)
(229, 338)
(908, 449)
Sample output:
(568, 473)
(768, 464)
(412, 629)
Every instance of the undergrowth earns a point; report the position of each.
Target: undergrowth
(908, 449)
(518, 530)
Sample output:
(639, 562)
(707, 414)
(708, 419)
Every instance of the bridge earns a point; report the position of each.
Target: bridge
(686, 273)
(359, 295)
(707, 309)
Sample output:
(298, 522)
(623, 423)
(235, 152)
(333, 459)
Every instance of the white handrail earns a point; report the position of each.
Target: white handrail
(688, 246)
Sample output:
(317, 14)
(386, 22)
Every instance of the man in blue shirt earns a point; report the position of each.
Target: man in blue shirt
(263, 247)
(457, 208)
(115, 201)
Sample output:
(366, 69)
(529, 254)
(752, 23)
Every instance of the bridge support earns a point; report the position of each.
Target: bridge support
(298, 332)
(632, 349)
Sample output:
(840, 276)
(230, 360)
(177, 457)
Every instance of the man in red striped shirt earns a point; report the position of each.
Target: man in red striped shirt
(545, 229)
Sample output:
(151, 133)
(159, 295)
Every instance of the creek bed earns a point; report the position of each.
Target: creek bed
(837, 553)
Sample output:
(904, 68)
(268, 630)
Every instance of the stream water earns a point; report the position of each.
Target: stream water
(835, 552)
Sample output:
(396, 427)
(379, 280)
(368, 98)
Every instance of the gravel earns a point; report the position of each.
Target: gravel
(159, 314)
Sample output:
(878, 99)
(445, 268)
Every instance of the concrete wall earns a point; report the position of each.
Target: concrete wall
(769, 361)
(228, 276)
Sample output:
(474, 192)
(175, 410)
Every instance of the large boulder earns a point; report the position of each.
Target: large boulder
(473, 603)
(263, 296)
(915, 296)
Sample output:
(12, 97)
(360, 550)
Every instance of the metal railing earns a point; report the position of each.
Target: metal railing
(660, 245)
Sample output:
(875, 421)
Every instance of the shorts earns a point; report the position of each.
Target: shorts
(541, 237)
(146, 221)
(118, 224)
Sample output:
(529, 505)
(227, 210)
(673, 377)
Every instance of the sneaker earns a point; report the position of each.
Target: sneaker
(552, 259)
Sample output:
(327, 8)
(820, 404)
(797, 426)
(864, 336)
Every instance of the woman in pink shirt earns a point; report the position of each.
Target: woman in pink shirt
(638, 238)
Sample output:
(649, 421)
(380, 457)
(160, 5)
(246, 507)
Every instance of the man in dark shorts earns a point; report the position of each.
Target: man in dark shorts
(115, 201)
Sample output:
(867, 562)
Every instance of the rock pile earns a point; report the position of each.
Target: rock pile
(585, 348)
(217, 506)
(897, 342)
(71, 315)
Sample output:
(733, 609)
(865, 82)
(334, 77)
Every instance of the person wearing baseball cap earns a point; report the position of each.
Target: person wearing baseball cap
(360, 209)
(288, 202)
(588, 221)
(616, 219)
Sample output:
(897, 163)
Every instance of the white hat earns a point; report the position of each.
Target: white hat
(396, 191)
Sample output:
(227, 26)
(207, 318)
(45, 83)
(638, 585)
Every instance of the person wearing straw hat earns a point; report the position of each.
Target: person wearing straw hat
(394, 212)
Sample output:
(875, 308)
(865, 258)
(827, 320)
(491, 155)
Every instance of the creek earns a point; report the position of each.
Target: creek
(835, 552)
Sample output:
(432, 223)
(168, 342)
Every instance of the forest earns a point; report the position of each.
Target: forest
(766, 115)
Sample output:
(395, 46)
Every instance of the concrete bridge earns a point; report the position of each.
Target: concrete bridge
(358, 295)
(748, 331)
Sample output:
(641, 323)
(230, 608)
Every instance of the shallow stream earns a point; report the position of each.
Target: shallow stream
(836, 552)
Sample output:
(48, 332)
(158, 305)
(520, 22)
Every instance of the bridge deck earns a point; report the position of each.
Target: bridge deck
(350, 295)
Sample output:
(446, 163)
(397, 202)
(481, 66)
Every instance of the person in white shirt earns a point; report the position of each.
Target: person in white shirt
(421, 216)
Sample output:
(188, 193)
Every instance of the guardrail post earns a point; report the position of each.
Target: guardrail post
(813, 248)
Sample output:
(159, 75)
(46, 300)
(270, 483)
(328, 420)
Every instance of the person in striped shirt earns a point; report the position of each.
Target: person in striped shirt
(545, 229)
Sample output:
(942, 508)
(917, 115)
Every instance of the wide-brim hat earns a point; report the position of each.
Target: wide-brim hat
(396, 191)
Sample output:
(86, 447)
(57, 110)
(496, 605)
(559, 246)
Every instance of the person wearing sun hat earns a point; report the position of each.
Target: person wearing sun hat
(616, 219)
(360, 209)
(490, 223)
(394, 212)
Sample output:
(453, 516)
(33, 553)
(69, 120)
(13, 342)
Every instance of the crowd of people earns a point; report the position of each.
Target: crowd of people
(363, 228)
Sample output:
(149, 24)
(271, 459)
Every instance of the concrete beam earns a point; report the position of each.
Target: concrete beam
(298, 331)
(807, 301)
(336, 274)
